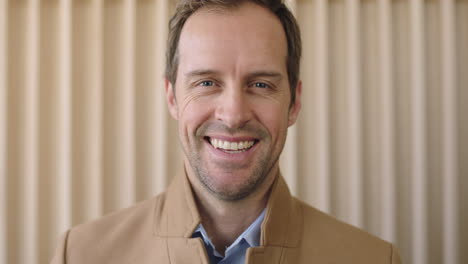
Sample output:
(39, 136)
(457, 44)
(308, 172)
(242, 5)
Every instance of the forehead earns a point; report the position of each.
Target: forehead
(243, 38)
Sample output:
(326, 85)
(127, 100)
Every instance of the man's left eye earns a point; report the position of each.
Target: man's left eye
(207, 83)
(260, 85)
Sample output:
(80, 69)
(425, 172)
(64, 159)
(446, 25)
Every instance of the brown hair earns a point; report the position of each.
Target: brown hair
(186, 8)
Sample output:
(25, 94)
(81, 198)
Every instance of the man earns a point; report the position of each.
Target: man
(232, 85)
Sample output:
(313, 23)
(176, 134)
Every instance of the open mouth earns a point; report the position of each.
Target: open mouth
(231, 146)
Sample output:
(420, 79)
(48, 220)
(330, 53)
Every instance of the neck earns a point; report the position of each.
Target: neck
(224, 221)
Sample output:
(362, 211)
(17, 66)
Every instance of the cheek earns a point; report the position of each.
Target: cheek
(274, 117)
(193, 114)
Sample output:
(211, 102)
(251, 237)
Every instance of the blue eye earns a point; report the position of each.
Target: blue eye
(207, 83)
(260, 85)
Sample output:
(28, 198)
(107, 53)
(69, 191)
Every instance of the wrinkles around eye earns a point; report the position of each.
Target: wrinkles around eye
(195, 94)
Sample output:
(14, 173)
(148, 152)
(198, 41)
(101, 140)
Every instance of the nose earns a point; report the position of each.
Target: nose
(233, 107)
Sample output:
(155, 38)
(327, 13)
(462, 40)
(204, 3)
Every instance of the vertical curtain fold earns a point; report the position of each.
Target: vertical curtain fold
(354, 112)
(322, 106)
(387, 161)
(147, 159)
(54, 125)
(87, 113)
(165, 144)
(461, 54)
(21, 42)
(418, 134)
(118, 108)
(338, 109)
(449, 134)
(64, 107)
(288, 159)
(3, 125)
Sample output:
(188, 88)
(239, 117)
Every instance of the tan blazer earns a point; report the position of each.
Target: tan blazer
(159, 230)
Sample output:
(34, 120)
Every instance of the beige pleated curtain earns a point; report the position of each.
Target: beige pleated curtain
(381, 140)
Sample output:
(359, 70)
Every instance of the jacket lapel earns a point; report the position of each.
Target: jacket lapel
(281, 229)
(177, 218)
(264, 255)
(282, 226)
(187, 251)
(178, 214)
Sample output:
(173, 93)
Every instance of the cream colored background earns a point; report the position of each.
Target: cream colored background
(381, 141)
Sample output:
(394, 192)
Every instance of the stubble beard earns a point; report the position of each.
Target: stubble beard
(251, 183)
(242, 190)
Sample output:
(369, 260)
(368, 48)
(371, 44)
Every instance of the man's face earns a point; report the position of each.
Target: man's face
(232, 98)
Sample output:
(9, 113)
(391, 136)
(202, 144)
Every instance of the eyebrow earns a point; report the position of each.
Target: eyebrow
(252, 75)
(201, 72)
(270, 74)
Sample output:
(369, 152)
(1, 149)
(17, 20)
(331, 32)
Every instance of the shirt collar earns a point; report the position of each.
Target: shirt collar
(251, 235)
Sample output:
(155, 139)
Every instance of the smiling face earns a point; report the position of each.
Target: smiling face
(232, 99)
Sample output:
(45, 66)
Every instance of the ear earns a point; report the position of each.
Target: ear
(296, 107)
(171, 99)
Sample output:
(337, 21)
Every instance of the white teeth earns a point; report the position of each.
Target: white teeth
(234, 146)
(226, 145)
(240, 145)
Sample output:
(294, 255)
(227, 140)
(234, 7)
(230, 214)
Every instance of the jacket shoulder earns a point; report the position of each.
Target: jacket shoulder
(328, 238)
(118, 220)
(115, 238)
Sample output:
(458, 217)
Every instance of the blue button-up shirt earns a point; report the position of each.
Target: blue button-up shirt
(235, 253)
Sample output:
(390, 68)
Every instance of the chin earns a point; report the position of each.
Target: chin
(232, 194)
(228, 187)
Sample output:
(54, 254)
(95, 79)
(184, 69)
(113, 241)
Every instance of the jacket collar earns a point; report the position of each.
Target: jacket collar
(283, 221)
(177, 216)
(176, 213)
